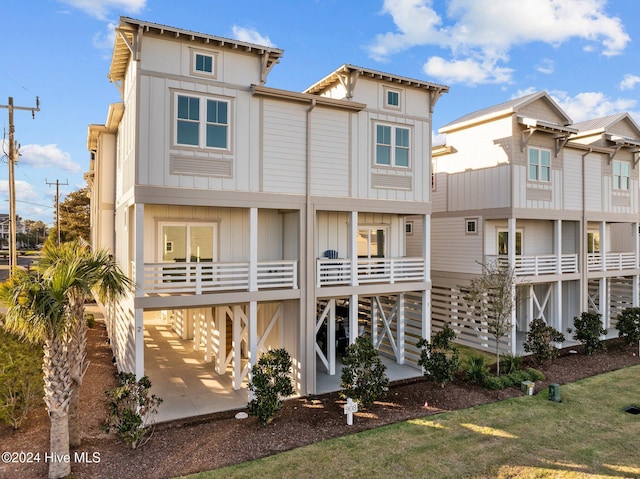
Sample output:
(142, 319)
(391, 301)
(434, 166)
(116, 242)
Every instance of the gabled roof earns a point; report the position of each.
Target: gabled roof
(347, 69)
(126, 44)
(605, 123)
(504, 109)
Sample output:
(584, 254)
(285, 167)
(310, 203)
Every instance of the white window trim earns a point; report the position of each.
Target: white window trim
(620, 176)
(408, 228)
(187, 225)
(386, 103)
(539, 166)
(466, 226)
(214, 64)
(202, 122)
(393, 146)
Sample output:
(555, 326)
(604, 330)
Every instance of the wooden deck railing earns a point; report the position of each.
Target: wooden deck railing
(333, 272)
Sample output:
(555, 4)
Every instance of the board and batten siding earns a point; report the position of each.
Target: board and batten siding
(126, 173)
(478, 189)
(572, 180)
(284, 147)
(537, 195)
(593, 182)
(330, 152)
(452, 249)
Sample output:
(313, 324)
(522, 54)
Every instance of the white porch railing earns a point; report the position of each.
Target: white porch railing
(613, 261)
(540, 264)
(198, 278)
(331, 272)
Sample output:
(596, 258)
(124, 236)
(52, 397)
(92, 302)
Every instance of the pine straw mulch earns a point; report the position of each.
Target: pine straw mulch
(187, 446)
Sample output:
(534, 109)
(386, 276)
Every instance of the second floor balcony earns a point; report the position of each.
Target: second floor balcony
(536, 265)
(206, 277)
(611, 261)
(338, 272)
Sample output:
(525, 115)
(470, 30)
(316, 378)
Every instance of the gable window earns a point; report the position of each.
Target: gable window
(392, 146)
(620, 175)
(203, 64)
(539, 165)
(371, 242)
(202, 122)
(392, 98)
(503, 242)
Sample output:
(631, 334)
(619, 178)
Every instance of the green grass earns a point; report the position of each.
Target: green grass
(587, 435)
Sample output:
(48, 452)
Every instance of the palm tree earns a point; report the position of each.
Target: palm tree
(96, 273)
(38, 310)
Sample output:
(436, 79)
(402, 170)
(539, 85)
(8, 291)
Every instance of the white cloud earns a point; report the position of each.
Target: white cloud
(629, 82)
(100, 8)
(250, 35)
(106, 40)
(468, 71)
(47, 156)
(590, 105)
(486, 30)
(546, 66)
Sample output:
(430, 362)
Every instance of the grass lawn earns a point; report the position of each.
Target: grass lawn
(585, 435)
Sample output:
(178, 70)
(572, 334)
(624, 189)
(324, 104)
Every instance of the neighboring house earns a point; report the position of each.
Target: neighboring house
(5, 226)
(519, 183)
(254, 218)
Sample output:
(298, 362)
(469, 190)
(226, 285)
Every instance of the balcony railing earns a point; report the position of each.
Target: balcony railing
(332, 272)
(540, 264)
(612, 261)
(198, 278)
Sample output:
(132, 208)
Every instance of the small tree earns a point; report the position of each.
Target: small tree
(628, 325)
(540, 339)
(440, 361)
(491, 297)
(588, 330)
(270, 384)
(131, 409)
(364, 377)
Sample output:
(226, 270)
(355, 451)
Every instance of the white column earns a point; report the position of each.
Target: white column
(353, 318)
(512, 264)
(353, 247)
(221, 322)
(426, 315)
(557, 244)
(253, 249)
(636, 279)
(237, 350)
(331, 337)
(604, 302)
(252, 318)
(400, 330)
(558, 306)
(208, 327)
(197, 329)
(426, 246)
(139, 267)
(139, 363)
(604, 245)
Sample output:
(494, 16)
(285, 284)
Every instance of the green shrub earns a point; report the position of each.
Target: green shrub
(535, 375)
(90, 319)
(440, 361)
(364, 377)
(540, 341)
(588, 330)
(476, 369)
(510, 363)
(270, 385)
(21, 385)
(131, 409)
(628, 325)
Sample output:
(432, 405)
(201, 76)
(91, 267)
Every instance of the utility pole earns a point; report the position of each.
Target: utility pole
(13, 158)
(57, 183)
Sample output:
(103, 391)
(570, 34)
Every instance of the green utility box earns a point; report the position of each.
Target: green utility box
(554, 392)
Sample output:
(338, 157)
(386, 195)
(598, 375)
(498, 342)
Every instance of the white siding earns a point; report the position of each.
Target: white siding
(478, 189)
(454, 251)
(572, 180)
(330, 148)
(593, 183)
(284, 147)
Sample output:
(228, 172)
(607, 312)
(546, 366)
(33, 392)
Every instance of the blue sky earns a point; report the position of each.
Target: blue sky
(585, 53)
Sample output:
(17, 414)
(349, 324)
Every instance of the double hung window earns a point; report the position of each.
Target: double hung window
(539, 165)
(392, 146)
(202, 122)
(620, 175)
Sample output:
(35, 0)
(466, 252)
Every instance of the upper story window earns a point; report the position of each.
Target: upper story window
(392, 146)
(202, 122)
(539, 165)
(593, 242)
(392, 98)
(620, 175)
(371, 242)
(503, 242)
(203, 64)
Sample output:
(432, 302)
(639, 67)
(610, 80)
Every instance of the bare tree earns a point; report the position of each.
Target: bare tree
(491, 297)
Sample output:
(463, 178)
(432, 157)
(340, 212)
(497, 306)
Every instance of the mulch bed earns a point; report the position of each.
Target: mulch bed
(209, 442)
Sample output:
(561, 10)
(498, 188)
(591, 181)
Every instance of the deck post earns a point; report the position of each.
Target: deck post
(353, 247)
(253, 249)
